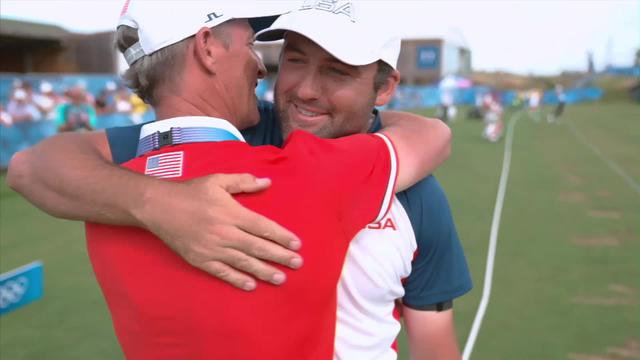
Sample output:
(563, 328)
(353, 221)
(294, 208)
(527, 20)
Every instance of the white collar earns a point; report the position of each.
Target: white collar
(189, 121)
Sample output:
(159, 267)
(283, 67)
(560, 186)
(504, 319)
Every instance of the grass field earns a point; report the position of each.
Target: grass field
(567, 272)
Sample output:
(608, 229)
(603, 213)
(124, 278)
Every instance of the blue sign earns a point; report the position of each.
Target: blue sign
(428, 57)
(21, 286)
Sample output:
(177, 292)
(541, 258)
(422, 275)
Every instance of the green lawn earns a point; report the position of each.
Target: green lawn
(566, 278)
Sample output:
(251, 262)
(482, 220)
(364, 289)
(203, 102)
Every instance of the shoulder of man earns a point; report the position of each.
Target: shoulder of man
(123, 142)
(359, 169)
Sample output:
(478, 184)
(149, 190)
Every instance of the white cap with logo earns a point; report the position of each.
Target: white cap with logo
(164, 23)
(351, 31)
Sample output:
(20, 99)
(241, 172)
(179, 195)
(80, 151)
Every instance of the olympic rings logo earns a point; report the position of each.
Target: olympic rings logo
(12, 291)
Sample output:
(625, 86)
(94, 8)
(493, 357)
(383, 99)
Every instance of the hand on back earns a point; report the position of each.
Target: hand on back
(200, 220)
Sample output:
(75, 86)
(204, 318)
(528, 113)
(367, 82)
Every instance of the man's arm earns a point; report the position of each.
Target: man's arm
(431, 334)
(421, 144)
(439, 272)
(70, 176)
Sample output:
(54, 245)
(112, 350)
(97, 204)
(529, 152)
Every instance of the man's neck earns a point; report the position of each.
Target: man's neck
(178, 106)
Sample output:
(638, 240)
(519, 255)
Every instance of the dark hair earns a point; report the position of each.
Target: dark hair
(382, 75)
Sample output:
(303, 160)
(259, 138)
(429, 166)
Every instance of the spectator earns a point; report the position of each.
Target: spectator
(21, 108)
(16, 84)
(105, 102)
(534, 104)
(47, 101)
(447, 88)
(122, 101)
(23, 113)
(28, 88)
(521, 100)
(446, 105)
(492, 110)
(78, 114)
(6, 135)
(476, 112)
(559, 110)
(88, 97)
(138, 109)
(5, 117)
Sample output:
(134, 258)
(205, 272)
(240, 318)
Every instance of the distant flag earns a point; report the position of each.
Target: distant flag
(168, 165)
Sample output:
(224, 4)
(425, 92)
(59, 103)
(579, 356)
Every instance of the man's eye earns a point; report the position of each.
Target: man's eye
(338, 71)
(294, 60)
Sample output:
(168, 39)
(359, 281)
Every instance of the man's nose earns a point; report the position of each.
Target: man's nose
(309, 87)
(262, 70)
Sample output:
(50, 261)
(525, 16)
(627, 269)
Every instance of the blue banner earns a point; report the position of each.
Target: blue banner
(21, 286)
(623, 71)
(426, 96)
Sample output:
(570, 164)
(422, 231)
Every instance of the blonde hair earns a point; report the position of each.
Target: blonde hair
(151, 72)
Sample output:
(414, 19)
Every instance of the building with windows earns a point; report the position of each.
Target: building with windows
(425, 61)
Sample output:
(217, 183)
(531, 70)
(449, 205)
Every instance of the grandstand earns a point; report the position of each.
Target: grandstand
(29, 47)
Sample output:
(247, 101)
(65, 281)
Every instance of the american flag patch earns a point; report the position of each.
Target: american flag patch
(167, 165)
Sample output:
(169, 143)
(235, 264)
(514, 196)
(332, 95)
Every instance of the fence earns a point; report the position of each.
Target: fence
(415, 97)
(623, 71)
(21, 136)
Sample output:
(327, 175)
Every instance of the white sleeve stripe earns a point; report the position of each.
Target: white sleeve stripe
(391, 184)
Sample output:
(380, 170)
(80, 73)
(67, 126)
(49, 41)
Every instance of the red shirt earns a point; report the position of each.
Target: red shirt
(324, 191)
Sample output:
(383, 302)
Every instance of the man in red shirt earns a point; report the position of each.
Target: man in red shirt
(195, 64)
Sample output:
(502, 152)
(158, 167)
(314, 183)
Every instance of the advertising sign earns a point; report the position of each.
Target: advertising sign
(428, 57)
(21, 286)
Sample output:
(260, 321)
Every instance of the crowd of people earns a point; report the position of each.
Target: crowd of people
(71, 109)
(31, 111)
(489, 108)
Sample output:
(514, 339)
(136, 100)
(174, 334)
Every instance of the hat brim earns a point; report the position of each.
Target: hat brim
(271, 35)
(261, 23)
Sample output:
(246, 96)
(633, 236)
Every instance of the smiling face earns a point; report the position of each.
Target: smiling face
(318, 93)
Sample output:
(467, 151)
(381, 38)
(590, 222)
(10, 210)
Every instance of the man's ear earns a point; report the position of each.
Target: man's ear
(386, 92)
(205, 48)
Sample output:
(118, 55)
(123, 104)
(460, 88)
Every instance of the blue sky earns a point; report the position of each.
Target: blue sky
(522, 36)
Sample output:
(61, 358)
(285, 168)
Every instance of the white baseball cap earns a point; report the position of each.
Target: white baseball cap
(354, 32)
(163, 23)
(111, 85)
